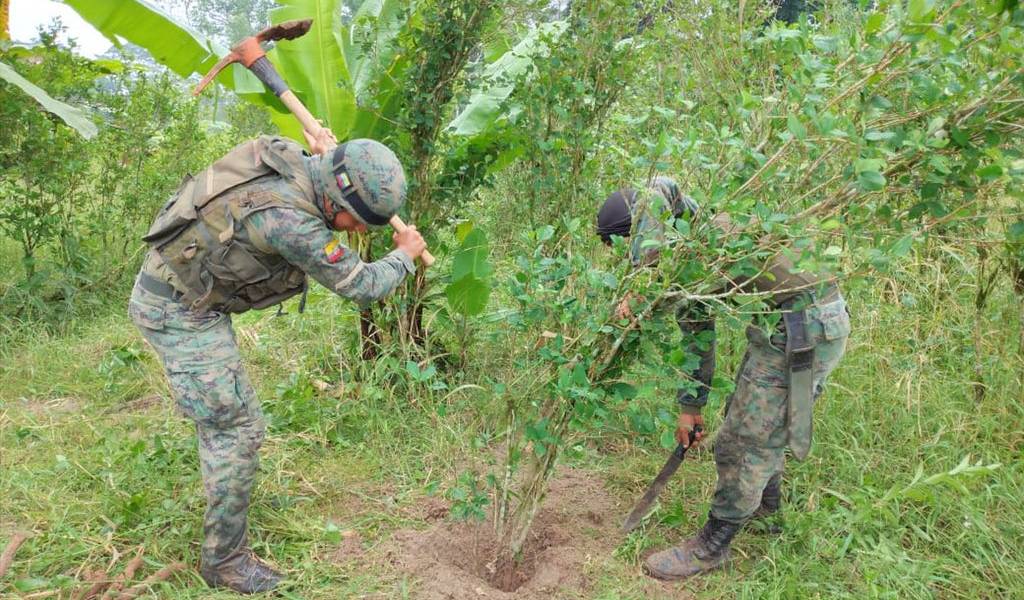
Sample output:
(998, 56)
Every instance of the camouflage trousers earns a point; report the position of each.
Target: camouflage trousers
(750, 448)
(200, 356)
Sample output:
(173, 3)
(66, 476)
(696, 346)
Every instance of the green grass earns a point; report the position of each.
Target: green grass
(92, 461)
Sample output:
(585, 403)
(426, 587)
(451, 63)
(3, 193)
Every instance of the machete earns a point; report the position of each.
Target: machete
(643, 507)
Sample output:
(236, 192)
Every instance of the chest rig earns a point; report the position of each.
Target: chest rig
(197, 231)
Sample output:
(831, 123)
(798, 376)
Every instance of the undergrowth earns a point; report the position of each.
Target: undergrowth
(912, 490)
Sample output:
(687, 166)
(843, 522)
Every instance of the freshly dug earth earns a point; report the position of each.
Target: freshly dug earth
(574, 533)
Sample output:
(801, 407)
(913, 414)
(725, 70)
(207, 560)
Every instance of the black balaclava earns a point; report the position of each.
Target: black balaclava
(615, 216)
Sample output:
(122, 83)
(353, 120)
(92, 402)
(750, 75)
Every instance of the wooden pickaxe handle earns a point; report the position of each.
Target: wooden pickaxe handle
(249, 53)
(313, 128)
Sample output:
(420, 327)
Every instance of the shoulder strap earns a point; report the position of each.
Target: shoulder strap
(243, 164)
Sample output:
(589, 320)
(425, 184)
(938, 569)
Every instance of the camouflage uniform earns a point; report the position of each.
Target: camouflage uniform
(200, 353)
(749, 451)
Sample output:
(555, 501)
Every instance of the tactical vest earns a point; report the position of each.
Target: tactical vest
(195, 233)
(779, 278)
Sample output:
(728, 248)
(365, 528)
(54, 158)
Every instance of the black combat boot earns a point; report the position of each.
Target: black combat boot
(242, 572)
(766, 519)
(708, 550)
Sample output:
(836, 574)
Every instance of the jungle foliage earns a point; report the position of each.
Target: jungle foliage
(877, 141)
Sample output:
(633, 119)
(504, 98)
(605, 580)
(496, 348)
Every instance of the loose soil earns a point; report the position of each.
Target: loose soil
(350, 549)
(574, 533)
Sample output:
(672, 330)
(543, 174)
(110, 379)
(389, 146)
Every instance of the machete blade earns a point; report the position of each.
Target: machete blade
(643, 507)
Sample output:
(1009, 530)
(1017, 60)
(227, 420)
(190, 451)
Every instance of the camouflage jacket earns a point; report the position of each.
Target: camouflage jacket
(305, 241)
(651, 213)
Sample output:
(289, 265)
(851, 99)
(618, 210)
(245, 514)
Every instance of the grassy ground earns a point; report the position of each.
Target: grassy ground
(94, 458)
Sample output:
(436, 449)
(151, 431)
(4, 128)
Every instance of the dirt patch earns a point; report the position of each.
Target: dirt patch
(349, 550)
(434, 509)
(574, 531)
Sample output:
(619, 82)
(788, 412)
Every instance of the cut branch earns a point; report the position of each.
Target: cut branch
(8, 555)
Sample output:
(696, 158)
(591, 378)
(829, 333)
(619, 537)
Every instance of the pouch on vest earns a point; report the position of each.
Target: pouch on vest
(195, 233)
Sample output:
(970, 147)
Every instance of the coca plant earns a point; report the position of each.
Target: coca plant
(840, 145)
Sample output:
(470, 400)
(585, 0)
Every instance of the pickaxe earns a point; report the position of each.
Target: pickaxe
(250, 53)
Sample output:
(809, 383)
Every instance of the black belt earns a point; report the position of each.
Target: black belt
(157, 287)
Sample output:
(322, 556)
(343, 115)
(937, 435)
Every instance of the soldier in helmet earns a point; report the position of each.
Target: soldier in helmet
(245, 234)
(783, 371)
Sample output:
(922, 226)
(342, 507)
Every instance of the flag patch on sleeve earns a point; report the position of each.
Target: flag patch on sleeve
(334, 251)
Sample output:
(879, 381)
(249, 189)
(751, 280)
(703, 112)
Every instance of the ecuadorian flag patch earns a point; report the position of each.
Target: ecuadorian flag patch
(334, 251)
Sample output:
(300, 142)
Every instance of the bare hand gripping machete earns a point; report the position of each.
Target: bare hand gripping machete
(643, 507)
(250, 53)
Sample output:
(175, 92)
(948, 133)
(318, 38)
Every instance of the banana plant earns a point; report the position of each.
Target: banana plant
(347, 75)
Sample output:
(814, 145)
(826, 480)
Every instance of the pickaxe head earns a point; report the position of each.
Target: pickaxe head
(249, 50)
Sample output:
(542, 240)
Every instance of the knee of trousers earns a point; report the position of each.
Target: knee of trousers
(743, 472)
(750, 463)
(253, 433)
(728, 450)
(239, 442)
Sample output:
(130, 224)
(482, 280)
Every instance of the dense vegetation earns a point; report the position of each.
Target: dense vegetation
(880, 141)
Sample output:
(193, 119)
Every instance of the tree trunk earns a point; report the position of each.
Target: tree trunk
(986, 282)
(417, 332)
(369, 332)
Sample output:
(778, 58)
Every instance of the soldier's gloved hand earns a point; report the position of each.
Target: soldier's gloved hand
(410, 241)
(685, 425)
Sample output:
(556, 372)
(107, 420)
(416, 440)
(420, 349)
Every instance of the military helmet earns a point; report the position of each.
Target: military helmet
(615, 217)
(365, 178)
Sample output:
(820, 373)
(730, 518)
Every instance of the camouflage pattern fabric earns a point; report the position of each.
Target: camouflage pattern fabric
(651, 210)
(205, 373)
(750, 448)
(375, 173)
(304, 241)
(200, 354)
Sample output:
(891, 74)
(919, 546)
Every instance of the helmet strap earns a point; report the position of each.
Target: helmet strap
(351, 195)
(328, 208)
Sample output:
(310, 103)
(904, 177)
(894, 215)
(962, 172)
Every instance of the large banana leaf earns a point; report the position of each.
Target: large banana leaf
(368, 41)
(72, 115)
(171, 43)
(377, 65)
(485, 105)
(329, 68)
(314, 66)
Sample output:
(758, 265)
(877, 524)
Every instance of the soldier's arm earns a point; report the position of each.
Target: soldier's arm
(304, 241)
(698, 327)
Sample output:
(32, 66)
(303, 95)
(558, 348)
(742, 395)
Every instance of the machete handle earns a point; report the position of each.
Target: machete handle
(681, 449)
